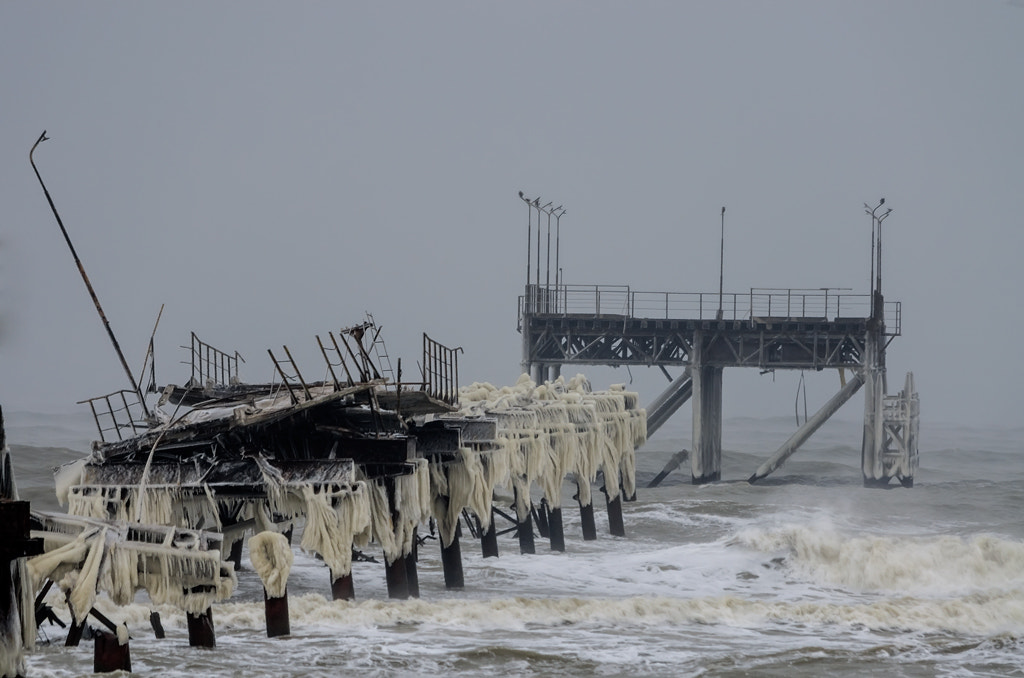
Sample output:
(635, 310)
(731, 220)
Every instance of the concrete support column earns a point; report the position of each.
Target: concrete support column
(873, 442)
(554, 371)
(706, 459)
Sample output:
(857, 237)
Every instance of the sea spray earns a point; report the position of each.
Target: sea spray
(936, 564)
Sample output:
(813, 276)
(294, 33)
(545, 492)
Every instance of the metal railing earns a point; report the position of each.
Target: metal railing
(440, 370)
(825, 304)
(211, 365)
(117, 411)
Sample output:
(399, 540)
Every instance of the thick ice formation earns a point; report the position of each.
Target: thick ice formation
(562, 428)
(335, 519)
(93, 556)
(396, 534)
(467, 482)
(272, 558)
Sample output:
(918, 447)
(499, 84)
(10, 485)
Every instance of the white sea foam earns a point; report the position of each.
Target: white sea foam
(937, 564)
(978, 614)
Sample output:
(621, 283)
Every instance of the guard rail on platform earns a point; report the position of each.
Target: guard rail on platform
(824, 304)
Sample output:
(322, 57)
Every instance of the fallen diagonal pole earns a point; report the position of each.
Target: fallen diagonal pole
(677, 459)
(809, 427)
(88, 285)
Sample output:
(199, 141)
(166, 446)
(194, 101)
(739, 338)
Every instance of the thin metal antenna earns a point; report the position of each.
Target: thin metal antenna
(721, 268)
(85, 278)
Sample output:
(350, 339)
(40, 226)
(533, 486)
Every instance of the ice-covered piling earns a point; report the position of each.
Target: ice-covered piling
(17, 618)
(564, 429)
(272, 558)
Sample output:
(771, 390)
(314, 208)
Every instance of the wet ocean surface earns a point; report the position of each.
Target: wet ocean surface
(804, 574)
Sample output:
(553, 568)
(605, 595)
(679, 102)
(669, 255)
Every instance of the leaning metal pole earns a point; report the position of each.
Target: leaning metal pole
(85, 278)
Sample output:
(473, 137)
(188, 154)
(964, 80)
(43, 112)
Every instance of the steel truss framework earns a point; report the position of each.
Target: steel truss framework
(761, 343)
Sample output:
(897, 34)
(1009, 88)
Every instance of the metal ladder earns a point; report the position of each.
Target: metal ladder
(380, 351)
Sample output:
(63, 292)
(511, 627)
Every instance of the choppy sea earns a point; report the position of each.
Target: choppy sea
(804, 574)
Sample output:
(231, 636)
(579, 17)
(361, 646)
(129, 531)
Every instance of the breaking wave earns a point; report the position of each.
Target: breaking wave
(975, 614)
(937, 564)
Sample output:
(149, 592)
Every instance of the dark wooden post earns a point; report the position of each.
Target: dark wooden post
(109, 655)
(411, 573)
(542, 517)
(615, 525)
(75, 630)
(397, 572)
(276, 611)
(342, 588)
(200, 629)
(451, 561)
(555, 529)
(489, 540)
(524, 529)
(587, 521)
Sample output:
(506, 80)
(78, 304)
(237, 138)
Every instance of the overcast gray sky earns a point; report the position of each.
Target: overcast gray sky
(270, 171)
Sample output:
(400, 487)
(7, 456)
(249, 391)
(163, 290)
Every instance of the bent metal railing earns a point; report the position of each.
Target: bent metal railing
(823, 304)
(116, 412)
(440, 370)
(211, 365)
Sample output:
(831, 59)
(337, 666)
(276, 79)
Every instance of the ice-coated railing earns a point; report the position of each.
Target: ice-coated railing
(823, 304)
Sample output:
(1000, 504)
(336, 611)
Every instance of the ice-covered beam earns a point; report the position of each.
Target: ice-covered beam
(809, 427)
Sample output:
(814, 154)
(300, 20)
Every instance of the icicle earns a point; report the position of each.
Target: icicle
(66, 476)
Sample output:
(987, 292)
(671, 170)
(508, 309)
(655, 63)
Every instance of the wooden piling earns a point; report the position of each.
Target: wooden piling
(109, 654)
(235, 554)
(200, 629)
(524, 529)
(397, 576)
(451, 561)
(411, 573)
(75, 630)
(615, 525)
(541, 514)
(276, 612)
(397, 572)
(158, 627)
(489, 540)
(555, 531)
(15, 542)
(587, 521)
(342, 588)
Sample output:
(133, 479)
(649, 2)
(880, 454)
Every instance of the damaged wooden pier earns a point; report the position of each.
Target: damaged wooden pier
(171, 489)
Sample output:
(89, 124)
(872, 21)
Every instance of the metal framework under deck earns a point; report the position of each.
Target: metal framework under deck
(799, 329)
